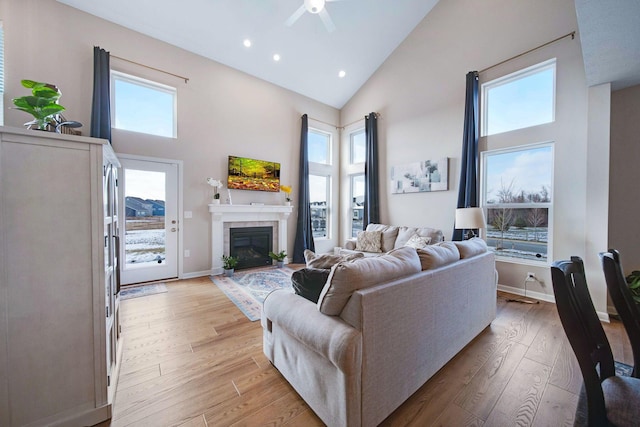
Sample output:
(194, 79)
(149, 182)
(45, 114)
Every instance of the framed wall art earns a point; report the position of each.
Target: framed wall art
(422, 176)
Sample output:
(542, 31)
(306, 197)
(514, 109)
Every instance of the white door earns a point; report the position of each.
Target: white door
(149, 205)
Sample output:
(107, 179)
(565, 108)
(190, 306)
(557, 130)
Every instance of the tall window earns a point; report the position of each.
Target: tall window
(1, 74)
(519, 100)
(144, 106)
(357, 203)
(320, 172)
(517, 198)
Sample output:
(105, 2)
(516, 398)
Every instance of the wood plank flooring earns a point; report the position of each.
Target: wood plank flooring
(191, 358)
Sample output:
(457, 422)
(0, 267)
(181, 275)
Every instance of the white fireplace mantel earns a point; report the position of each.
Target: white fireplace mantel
(244, 213)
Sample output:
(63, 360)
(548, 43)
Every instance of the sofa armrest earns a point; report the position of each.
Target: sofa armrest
(350, 244)
(329, 336)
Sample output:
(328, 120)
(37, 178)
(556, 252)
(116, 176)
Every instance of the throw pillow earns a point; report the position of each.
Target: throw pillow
(389, 235)
(369, 241)
(418, 242)
(471, 247)
(308, 282)
(434, 256)
(314, 260)
(347, 277)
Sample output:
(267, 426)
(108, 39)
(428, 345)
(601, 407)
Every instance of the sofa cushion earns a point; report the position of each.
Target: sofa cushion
(434, 256)
(418, 242)
(471, 247)
(308, 282)
(369, 241)
(314, 260)
(389, 235)
(405, 233)
(347, 277)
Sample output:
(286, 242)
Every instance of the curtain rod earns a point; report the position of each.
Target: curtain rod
(186, 79)
(378, 115)
(571, 34)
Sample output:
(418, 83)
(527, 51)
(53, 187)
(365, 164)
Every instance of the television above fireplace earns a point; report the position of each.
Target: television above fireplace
(252, 174)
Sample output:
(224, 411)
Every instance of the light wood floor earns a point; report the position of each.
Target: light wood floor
(191, 358)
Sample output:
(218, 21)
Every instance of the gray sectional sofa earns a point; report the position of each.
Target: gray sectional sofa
(381, 328)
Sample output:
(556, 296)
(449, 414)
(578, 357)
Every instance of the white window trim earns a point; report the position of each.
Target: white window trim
(330, 171)
(517, 75)
(351, 134)
(549, 205)
(139, 81)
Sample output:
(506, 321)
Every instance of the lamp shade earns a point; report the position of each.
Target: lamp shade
(469, 218)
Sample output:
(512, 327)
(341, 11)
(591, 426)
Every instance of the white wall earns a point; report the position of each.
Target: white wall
(624, 203)
(420, 93)
(221, 111)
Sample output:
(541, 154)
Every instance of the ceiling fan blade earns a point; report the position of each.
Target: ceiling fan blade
(295, 16)
(327, 21)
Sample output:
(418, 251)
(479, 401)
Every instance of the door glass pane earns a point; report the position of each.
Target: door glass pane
(357, 203)
(145, 231)
(318, 186)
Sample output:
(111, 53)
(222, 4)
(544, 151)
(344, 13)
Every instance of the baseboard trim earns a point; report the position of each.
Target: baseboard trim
(196, 274)
(604, 317)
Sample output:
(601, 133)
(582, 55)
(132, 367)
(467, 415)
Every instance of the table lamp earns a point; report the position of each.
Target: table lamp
(469, 219)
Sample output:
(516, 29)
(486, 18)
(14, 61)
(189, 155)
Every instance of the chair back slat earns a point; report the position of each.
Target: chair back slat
(623, 301)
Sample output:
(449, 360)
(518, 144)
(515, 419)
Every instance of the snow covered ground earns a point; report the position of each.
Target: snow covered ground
(144, 246)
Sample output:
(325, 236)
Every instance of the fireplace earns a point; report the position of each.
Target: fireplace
(251, 245)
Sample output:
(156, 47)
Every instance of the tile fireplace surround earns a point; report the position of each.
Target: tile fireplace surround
(224, 217)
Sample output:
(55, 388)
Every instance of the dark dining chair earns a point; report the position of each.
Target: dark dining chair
(623, 301)
(611, 399)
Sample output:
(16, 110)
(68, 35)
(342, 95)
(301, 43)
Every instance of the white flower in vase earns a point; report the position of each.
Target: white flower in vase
(216, 184)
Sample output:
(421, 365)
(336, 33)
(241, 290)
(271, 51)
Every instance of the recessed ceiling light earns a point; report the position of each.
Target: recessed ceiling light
(276, 57)
(342, 73)
(246, 43)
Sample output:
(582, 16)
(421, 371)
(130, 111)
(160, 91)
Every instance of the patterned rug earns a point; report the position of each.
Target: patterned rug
(142, 291)
(248, 288)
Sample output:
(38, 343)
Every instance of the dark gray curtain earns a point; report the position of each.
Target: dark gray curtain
(468, 191)
(371, 212)
(101, 106)
(304, 234)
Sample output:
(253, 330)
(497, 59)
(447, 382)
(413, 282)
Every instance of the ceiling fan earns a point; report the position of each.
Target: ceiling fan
(315, 7)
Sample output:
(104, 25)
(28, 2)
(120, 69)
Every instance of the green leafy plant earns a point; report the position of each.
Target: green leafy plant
(278, 256)
(42, 104)
(633, 280)
(229, 262)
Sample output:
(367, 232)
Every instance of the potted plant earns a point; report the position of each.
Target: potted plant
(633, 280)
(229, 264)
(42, 104)
(278, 258)
(216, 184)
(286, 189)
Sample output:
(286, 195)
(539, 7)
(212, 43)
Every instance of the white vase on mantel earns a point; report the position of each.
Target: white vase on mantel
(215, 201)
(287, 203)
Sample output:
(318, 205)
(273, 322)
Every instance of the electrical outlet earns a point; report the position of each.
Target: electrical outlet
(187, 253)
(531, 276)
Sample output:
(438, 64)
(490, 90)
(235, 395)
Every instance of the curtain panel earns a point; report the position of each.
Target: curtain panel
(468, 190)
(371, 211)
(101, 104)
(304, 233)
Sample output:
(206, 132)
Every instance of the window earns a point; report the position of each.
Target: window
(357, 147)
(1, 74)
(320, 172)
(144, 106)
(319, 144)
(517, 199)
(519, 100)
(319, 200)
(357, 203)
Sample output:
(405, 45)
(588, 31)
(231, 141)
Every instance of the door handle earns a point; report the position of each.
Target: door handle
(173, 229)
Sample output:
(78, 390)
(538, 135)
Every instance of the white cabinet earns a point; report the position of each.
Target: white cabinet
(59, 327)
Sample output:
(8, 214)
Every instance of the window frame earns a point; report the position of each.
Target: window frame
(351, 146)
(149, 84)
(545, 205)
(324, 170)
(516, 75)
(352, 208)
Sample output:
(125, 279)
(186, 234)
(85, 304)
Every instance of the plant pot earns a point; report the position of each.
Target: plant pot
(215, 201)
(287, 203)
(228, 273)
(279, 264)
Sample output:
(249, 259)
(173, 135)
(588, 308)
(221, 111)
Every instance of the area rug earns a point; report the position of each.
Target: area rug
(247, 289)
(142, 291)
